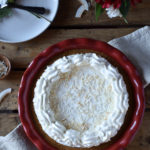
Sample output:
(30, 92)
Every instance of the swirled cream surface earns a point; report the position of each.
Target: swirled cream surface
(81, 100)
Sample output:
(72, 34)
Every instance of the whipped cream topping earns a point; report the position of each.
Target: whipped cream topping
(81, 100)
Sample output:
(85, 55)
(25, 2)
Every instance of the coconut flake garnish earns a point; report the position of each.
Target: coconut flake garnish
(3, 68)
(84, 6)
(4, 93)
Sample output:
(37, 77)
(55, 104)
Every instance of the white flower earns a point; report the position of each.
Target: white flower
(112, 12)
(3, 3)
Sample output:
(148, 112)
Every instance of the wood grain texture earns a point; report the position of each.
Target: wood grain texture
(8, 122)
(10, 101)
(140, 142)
(21, 54)
(12, 81)
(138, 15)
(64, 27)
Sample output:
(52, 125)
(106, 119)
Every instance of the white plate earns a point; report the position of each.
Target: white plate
(22, 25)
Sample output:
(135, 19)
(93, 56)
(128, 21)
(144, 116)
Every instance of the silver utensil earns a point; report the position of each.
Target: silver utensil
(38, 10)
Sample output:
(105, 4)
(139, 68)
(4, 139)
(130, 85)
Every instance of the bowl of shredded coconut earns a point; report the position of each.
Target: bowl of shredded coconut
(5, 66)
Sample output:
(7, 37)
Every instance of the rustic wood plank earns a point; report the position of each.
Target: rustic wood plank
(138, 15)
(8, 122)
(70, 27)
(140, 142)
(142, 138)
(13, 81)
(21, 54)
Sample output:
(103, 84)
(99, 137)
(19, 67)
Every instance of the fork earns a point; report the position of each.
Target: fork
(38, 10)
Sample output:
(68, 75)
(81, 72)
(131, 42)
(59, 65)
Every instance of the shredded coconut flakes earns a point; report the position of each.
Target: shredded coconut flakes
(3, 69)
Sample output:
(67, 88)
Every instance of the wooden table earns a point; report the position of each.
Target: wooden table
(66, 26)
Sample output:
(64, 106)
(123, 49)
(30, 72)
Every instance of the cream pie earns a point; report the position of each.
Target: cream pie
(81, 100)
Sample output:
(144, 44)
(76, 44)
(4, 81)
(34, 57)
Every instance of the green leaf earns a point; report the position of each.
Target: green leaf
(124, 8)
(99, 10)
(4, 12)
(10, 1)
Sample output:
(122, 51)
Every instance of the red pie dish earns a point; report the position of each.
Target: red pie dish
(136, 102)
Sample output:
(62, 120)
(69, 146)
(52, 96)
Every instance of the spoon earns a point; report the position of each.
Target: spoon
(38, 10)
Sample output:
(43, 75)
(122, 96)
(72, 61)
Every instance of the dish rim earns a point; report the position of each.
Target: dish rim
(80, 43)
(42, 31)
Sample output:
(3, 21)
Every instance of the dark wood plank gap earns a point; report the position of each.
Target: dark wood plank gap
(147, 109)
(19, 69)
(95, 27)
(9, 111)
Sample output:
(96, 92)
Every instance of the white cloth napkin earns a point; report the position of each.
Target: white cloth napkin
(16, 140)
(136, 46)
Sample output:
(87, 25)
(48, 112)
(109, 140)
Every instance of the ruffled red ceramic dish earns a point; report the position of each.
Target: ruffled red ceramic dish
(56, 49)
